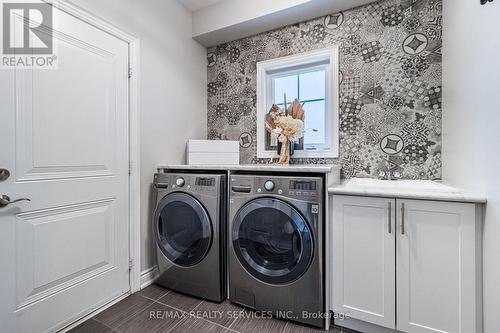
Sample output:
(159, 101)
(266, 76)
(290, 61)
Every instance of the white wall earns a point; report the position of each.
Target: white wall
(172, 87)
(471, 124)
(231, 12)
(229, 20)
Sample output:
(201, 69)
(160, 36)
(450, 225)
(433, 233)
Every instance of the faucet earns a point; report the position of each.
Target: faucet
(390, 173)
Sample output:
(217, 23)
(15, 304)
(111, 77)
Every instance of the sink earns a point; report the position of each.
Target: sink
(400, 185)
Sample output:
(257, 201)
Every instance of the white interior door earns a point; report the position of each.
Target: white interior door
(363, 263)
(436, 272)
(64, 138)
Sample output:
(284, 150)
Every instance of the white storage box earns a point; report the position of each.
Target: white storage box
(213, 152)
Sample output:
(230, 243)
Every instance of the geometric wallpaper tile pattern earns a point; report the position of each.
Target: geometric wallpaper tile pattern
(390, 63)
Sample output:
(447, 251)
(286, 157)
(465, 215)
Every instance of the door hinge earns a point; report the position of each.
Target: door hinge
(129, 168)
(130, 264)
(129, 72)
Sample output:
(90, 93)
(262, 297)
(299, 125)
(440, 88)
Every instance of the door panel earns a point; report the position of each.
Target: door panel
(363, 267)
(51, 112)
(435, 267)
(41, 269)
(64, 135)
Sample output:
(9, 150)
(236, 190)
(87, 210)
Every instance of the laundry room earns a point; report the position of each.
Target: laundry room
(254, 166)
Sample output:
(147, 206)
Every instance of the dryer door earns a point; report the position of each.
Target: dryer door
(182, 229)
(272, 241)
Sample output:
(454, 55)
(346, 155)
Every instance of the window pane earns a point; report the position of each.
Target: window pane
(315, 119)
(285, 85)
(312, 85)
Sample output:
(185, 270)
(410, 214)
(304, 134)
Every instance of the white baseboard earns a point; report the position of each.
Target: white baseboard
(148, 276)
(361, 326)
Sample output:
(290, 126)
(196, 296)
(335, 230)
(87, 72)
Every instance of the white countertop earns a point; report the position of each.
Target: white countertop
(306, 168)
(407, 189)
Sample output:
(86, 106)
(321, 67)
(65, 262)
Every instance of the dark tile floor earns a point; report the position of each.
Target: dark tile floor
(158, 310)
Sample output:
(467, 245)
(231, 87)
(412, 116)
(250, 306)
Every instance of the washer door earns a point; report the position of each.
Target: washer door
(182, 229)
(272, 241)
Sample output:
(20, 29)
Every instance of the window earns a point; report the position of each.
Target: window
(312, 78)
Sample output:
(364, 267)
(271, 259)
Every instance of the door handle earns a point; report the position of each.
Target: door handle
(389, 211)
(402, 218)
(5, 200)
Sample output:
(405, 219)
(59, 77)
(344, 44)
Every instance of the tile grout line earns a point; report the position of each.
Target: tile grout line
(173, 307)
(284, 327)
(154, 300)
(108, 326)
(175, 325)
(232, 323)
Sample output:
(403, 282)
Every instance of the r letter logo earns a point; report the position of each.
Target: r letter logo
(27, 28)
(27, 36)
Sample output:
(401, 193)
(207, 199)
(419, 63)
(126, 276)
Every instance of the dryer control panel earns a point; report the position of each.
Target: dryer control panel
(307, 188)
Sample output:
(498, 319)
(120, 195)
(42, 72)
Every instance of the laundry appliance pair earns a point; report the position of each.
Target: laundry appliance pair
(259, 236)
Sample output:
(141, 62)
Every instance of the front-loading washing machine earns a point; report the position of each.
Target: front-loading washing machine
(189, 226)
(276, 245)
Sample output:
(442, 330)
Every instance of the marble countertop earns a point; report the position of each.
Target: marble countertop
(406, 189)
(306, 168)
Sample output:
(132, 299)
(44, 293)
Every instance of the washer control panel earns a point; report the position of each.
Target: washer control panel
(303, 188)
(186, 182)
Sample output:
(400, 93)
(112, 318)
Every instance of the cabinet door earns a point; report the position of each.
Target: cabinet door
(435, 267)
(363, 259)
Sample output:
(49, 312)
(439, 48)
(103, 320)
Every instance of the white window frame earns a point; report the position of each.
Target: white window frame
(328, 55)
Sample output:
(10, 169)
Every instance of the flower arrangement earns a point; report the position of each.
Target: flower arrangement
(287, 126)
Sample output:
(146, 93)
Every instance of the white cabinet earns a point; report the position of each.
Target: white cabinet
(363, 267)
(423, 268)
(435, 267)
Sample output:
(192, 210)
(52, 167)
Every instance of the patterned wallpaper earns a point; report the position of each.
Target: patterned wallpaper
(390, 66)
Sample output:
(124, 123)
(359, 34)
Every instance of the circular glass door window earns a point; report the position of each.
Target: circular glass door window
(272, 241)
(182, 229)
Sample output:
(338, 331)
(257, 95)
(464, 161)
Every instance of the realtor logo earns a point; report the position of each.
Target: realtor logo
(27, 35)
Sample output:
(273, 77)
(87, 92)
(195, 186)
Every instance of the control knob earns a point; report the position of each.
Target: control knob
(180, 182)
(269, 185)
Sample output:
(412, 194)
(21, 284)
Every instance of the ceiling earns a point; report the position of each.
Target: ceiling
(194, 5)
(220, 21)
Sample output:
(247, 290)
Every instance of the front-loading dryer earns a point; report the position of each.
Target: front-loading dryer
(189, 225)
(276, 246)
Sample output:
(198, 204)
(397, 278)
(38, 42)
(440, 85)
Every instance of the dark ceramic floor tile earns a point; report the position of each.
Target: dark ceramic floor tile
(253, 322)
(123, 310)
(177, 313)
(297, 328)
(223, 314)
(153, 292)
(91, 326)
(180, 301)
(156, 318)
(190, 325)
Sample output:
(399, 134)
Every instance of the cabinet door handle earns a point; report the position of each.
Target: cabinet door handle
(402, 218)
(389, 211)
